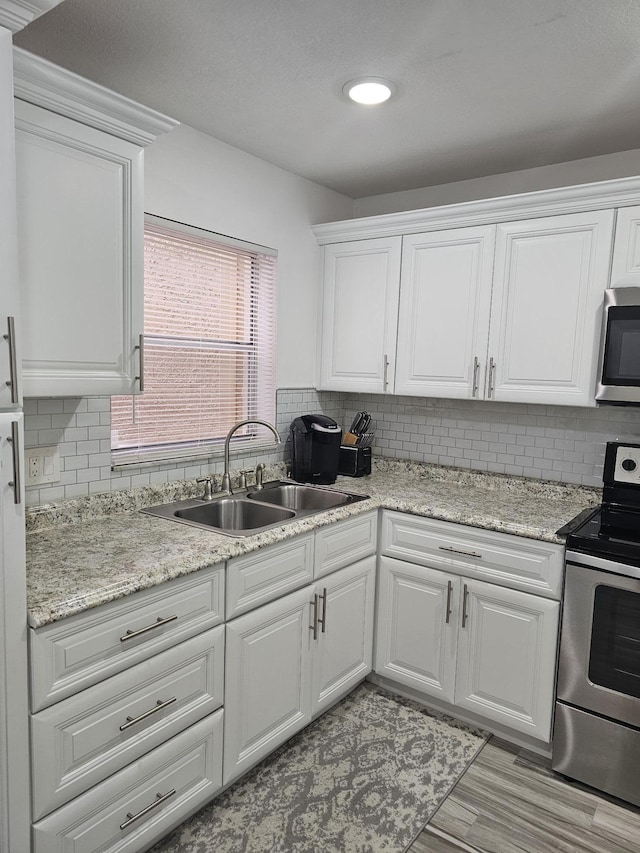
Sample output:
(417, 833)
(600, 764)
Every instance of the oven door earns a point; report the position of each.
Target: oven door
(599, 667)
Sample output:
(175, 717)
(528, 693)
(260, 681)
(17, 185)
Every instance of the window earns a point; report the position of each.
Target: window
(209, 346)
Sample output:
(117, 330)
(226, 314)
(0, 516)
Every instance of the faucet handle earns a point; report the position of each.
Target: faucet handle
(243, 477)
(208, 487)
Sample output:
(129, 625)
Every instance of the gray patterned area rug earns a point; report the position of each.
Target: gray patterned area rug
(364, 778)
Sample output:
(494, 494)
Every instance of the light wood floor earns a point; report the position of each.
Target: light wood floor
(509, 801)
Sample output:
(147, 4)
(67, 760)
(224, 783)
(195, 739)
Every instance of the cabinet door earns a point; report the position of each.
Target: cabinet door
(417, 617)
(545, 315)
(445, 297)
(14, 737)
(506, 657)
(80, 233)
(360, 313)
(625, 267)
(342, 648)
(10, 394)
(267, 680)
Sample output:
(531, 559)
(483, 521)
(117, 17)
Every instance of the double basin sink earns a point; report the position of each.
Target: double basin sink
(252, 511)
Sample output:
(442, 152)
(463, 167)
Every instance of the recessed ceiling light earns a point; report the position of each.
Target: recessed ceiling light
(369, 90)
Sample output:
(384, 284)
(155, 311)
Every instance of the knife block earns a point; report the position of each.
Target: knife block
(354, 461)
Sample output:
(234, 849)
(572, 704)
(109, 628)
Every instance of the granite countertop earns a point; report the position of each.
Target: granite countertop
(92, 551)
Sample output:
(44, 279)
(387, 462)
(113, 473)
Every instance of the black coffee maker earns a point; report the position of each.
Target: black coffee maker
(315, 449)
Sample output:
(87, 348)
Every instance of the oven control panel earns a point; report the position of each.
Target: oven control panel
(627, 464)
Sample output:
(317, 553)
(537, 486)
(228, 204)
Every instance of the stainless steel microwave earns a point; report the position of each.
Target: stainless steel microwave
(619, 364)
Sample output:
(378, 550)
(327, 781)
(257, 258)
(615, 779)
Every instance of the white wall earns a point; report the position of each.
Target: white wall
(193, 178)
(621, 165)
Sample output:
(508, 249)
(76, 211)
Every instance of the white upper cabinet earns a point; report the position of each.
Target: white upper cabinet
(505, 308)
(445, 299)
(625, 268)
(79, 168)
(550, 275)
(360, 314)
(10, 337)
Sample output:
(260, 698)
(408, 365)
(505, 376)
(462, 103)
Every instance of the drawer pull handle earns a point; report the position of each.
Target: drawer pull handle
(323, 620)
(14, 441)
(131, 721)
(10, 338)
(458, 551)
(465, 595)
(314, 627)
(449, 591)
(492, 373)
(159, 621)
(160, 798)
(140, 348)
(476, 370)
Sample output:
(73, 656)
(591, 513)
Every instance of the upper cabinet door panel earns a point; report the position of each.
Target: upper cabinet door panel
(445, 300)
(625, 267)
(360, 312)
(545, 317)
(80, 226)
(10, 394)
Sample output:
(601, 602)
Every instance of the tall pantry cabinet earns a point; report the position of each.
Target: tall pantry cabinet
(14, 744)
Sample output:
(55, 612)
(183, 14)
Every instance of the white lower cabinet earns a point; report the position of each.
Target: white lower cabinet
(475, 645)
(288, 660)
(266, 694)
(135, 807)
(342, 641)
(486, 647)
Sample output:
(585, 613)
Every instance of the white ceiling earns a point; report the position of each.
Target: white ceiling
(485, 86)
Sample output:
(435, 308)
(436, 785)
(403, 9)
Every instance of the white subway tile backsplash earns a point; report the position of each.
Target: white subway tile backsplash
(549, 442)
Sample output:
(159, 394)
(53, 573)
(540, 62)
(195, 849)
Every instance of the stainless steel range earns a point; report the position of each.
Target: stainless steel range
(597, 726)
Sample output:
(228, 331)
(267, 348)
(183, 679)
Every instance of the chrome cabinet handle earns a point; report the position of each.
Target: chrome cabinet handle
(492, 370)
(449, 591)
(323, 620)
(14, 441)
(476, 371)
(10, 338)
(159, 621)
(314, 627)
(131, 721)
(465, 595)
(140, 348)
(458, 551)
(160, 798)
(385, 378)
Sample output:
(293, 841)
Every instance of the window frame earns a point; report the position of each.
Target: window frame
(200, 449)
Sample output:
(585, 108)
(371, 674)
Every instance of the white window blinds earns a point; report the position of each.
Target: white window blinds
(209, 346)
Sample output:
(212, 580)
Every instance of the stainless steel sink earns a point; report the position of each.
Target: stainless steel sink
(251, 511)
(300, 497)
(231, 513)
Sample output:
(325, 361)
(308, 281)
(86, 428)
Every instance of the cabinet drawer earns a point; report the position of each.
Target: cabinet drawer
(85, 738)
(70, 655)
(267, 574)
(346, 542)
(511, 561)
(115, 815)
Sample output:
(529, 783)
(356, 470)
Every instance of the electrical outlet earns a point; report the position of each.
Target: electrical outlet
(42, 465)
